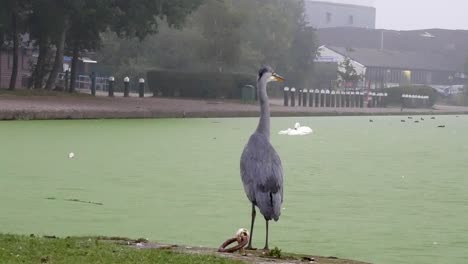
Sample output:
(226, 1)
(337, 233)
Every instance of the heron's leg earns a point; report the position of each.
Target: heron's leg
(266, 240)
(251, 227)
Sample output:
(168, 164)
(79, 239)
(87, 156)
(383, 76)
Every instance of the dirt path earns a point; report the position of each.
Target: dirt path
(256, 256)
(86, 107)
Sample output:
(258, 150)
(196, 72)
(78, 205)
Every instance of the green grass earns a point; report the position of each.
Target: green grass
(383, 192)
(23, 249)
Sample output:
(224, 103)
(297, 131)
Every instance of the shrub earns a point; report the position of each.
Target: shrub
(275, 253)
(198, 84)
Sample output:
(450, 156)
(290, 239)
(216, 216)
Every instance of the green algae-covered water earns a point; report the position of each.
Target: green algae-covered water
(384, 192)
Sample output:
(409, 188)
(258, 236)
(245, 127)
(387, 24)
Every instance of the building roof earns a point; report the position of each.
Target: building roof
(405, 60)
(433, 40)
(451, 45)
(68, 59)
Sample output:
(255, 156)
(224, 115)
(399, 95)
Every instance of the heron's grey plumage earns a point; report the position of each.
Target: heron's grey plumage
(262, 176)
(261, 169)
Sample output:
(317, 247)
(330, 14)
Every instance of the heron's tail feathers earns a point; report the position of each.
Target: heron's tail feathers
(269, 204)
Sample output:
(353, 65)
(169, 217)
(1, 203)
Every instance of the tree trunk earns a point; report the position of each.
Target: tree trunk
(76, 53)
(39, 69)
(58, 61)
(15, 37)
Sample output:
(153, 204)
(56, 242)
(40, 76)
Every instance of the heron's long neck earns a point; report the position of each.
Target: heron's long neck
(264, 123)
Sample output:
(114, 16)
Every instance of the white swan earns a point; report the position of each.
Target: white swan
(298, 130)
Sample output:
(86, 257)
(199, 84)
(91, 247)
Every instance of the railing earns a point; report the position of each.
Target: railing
(84, 82)
(337, 99)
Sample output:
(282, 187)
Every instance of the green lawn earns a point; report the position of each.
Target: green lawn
(24, 249)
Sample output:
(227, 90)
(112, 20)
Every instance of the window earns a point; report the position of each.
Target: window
(329, 17)
(351, 20)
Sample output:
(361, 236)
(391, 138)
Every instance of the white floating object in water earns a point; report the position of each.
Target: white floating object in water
(298, 130)
(435, 243)
(71, 155)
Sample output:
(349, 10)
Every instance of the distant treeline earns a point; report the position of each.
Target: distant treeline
(132, 37)
(229, 36)
(58, 27)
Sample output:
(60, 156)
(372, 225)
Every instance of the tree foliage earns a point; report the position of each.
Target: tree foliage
(12, 24)
(132, 37)
(347, 72)
(222, 35)
(71, 26)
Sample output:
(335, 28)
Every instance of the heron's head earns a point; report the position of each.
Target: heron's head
(267, 74)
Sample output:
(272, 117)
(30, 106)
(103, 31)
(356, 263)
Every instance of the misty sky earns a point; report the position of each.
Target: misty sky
(417, 14)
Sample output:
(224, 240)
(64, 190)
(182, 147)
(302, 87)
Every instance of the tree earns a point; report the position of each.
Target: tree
(44, 22)
(141, 17)
(347, 73)
(270, 28)
(90, 19)
(75, 25)
(11, 26)
(227, 35)
(220, 25)
(303, 52)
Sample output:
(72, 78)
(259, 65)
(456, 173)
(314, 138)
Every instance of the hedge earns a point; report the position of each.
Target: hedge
(198, 84)
(395, 93)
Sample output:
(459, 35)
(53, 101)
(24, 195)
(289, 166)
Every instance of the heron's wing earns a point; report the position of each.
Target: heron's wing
(262, 175)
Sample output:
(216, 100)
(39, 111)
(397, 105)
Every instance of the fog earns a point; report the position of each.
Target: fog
(417, 14)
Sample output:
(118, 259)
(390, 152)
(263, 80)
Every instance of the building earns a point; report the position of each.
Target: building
(442, 41)
(320, 14)
(85, 65)
(434, 57)
(389, 68)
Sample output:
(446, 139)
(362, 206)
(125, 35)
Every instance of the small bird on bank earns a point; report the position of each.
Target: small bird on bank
(441, 126)
(422, 119)
(372, 121)
(433, 117)
(403, 121)
(416, 121)
(410, 117)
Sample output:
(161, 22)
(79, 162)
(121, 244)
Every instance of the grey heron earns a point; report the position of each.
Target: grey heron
(260, 165)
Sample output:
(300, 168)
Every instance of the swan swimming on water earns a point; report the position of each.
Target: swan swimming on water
(298, 130)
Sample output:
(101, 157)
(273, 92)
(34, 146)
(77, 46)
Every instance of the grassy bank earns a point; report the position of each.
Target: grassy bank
(23, 249)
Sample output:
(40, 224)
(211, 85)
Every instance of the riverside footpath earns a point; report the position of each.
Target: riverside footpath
(14, 107)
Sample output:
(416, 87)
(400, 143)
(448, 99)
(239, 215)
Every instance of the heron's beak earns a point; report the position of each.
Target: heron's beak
(277, 78)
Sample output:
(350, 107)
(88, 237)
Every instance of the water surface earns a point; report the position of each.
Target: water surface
(385, 192)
